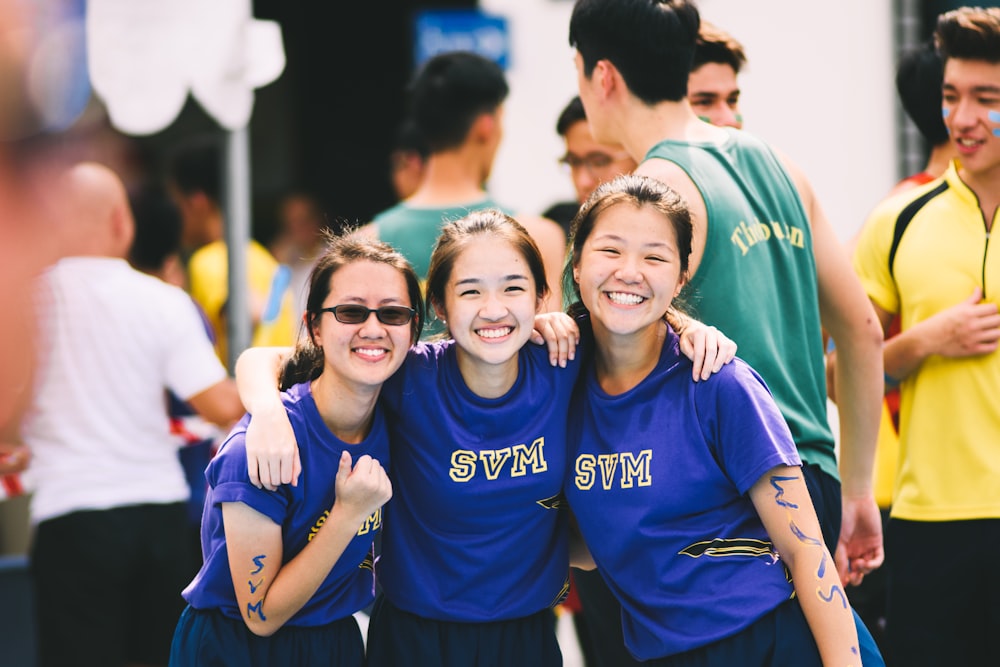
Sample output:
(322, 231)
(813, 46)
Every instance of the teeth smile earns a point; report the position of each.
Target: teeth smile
(494, 333)
(369, 352)
(969, 142)
(625, 299)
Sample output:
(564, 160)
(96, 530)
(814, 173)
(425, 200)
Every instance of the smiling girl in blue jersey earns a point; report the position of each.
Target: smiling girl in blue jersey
(689, 495)
(284, 572)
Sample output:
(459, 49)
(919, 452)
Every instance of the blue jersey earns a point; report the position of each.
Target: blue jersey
(658, 483)
(474, 531)
(299, 510)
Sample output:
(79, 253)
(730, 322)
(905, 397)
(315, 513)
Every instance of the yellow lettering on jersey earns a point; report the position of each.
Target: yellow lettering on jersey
(493, 461)
(523, 455)
(319, 524)
(374, 522)
(746, 236)
(585, 477)
(635, 469)
(463, 465)
(607, 463)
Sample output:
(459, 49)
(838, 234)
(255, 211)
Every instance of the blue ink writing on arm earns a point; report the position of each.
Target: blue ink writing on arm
(258, 608)
(780, 491)
(253, 586)
(834, 592)
(259, 562)
(802, 537)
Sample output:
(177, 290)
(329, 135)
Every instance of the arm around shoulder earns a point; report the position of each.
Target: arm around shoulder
(272, 453)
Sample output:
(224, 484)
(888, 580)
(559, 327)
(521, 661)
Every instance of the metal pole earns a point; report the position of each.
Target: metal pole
(912, 149)
(237, 242)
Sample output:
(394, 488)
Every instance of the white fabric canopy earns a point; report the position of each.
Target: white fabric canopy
(145, 56)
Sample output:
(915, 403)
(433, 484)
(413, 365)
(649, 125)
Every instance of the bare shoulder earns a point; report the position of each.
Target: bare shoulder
(798, 177)
(676, 177)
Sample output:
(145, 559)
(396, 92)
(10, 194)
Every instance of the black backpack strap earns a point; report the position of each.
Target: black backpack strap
(906, 217)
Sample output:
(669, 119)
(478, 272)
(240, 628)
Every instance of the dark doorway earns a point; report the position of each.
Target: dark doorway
(327, 124)
(339, 100)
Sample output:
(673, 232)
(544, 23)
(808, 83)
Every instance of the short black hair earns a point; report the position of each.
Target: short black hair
(196, 166)
(449, 92)
(969, 33)
(918, 82)
(157, 228)
(572, 113)
(650, 42)
(408, 139)
(715, 45)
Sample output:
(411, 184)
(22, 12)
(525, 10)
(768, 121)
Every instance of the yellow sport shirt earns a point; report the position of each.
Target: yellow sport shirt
(949, 457)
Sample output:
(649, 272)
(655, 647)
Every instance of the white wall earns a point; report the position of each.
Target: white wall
(542, 80)
(819, 87)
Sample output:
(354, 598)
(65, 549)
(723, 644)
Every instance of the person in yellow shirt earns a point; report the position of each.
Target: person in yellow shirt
(194, 180)
(925, 257)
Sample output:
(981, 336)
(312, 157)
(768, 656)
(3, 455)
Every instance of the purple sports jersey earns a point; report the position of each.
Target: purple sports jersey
(658, 479)
(300, 510)
(474, 531)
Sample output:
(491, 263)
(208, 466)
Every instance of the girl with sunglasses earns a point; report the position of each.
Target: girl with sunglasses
(284, 572)
(475, 553)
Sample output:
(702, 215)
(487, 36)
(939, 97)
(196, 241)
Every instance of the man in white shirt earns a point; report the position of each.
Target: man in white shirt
(109, 558)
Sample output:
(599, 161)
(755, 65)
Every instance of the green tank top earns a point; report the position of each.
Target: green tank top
(413, 231)
(757, 278)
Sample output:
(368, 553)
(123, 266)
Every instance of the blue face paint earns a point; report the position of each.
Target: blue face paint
(945, 112)
(994, 116)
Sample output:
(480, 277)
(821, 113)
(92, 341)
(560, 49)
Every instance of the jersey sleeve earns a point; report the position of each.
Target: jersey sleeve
(228, 478)
(871, 258)
(742, 422)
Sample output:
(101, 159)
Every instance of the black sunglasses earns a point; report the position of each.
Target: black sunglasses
(393, 316)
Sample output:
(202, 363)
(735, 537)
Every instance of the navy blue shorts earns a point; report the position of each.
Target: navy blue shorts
(207, 638)
(825, 492)
(399, 639)
(779, 639)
